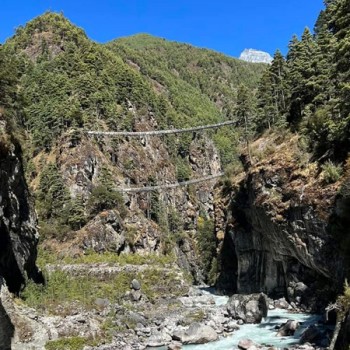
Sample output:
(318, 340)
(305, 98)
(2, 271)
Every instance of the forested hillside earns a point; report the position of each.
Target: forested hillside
(58, 83)
(309, 89)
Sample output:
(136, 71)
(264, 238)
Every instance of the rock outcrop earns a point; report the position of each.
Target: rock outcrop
(276, 238)
(18, 234)
(137, 163)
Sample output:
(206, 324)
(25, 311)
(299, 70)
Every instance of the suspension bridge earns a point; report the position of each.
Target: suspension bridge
(159, 133)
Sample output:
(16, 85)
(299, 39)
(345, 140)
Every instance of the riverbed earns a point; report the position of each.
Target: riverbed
(263, 333)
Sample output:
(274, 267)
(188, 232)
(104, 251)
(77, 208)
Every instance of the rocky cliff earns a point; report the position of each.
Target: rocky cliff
(18, 234)
(157, 223)
(276, 228)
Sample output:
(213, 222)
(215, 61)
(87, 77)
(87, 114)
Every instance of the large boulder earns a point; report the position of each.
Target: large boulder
(287, 329)
(315, 335)
(251, 308)
(196, 334)
(158, 339)
(246, 344)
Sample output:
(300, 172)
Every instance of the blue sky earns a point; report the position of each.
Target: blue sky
(227, 26)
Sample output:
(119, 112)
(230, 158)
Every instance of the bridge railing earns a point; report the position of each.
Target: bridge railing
(160, 132)
(168, 186)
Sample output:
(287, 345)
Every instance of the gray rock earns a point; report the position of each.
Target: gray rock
(135, 284)
(282, 304)
(196, 334)
(197, 300)
(248, 308)
(135, 295)
(158, 339)
(245, 344)
(175, 346)
(102, 303)
(231, 326)
(314, 335)
(288, 328)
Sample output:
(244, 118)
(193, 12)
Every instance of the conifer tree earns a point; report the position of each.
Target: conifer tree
(245, 113)
(301, 69)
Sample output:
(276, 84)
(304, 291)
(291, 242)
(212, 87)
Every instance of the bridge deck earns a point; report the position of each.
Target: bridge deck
(160, 132)
(168, 186)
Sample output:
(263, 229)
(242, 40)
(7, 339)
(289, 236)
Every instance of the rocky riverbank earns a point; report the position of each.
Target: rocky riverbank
(195, 316)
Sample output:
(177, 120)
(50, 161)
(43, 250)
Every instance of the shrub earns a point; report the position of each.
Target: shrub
(103, 198)
(331, 172)
(183, 170)
(206, 244)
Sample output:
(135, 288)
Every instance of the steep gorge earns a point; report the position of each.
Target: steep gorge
(277, 230)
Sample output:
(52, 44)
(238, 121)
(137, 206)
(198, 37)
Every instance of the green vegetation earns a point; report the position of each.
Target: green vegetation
(63, 291)
(71, 343)
(207, 248)
(46, 256)
(331, 172)
(342, 309)
(56, 82)
(196, 81)
(310, 88)
(201, 85)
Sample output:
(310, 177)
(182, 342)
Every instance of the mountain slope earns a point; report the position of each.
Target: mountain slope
(67, 84)
(189, 76)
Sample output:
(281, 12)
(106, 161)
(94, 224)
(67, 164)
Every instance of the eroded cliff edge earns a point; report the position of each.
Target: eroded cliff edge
(276, 221)
(18, 233)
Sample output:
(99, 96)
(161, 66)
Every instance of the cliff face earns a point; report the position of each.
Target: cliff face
(276, 231)
(143, 223)
(18, 234)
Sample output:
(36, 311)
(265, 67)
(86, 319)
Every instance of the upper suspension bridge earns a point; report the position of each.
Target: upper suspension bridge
(159, 133)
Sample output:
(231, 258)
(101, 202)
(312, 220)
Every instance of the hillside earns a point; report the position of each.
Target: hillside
(198, 82)
(67, 84)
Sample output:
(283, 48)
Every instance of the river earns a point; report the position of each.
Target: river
(263, 333)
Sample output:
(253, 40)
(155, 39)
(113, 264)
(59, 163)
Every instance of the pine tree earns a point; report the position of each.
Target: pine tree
(301, 70)
(245, 113)
(272, 94)
(8, 78)
(278, 72)
(339, 24)
(77, 217)
(265, 103)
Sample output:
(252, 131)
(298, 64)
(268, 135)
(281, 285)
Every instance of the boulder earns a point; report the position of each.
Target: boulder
(282, 304)
(246, 344)
(175, 346)
(102, 303)
(196, 334)
(135, 295)
(287, 329)
(197, 300)
(135, 284)
(314, 335)
(158, 339)
(250, 308)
